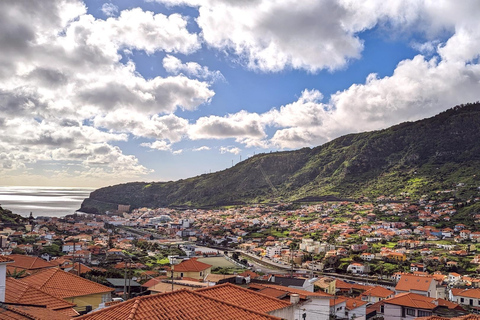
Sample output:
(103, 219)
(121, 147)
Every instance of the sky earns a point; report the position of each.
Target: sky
(95, 93)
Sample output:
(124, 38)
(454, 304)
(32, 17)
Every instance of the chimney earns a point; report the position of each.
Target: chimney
(3, 275)
(294, 298)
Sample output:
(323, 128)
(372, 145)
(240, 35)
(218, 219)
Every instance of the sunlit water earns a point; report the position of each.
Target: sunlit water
(42, 201)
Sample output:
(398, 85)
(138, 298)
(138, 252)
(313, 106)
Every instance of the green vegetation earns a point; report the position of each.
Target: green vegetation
(414, 158)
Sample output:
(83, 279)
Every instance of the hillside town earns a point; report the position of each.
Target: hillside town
(390, 258)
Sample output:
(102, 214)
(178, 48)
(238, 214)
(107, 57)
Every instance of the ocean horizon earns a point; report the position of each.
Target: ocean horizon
(42, 201)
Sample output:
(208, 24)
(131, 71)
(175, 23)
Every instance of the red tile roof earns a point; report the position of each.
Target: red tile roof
(18, 291)
(5, 259)
(29, 263)
(414, 300)
(29, 313)
(303, 293)
(62, 284)
(378, 291)
(470, 293)
(409, 282)
(354, 303)
(246, 298)
(466, 317)
(191, 265)
(177, 305)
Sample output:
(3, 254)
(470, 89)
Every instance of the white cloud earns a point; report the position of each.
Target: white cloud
(240, 125)
(61, 72)
(175, 66)
(157, 145)
(233, 150)
(202, 148)
(109, 9)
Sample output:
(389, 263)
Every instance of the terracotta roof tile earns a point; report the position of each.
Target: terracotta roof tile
(246, 298)
(470, 293)
(18, 291)
(303, 293)
(177, 305)
(191, 265)
(354, 303)
(29, 263)
(418, 301)
(9, 312)
(62, 284)
(378, 291)
(409, 282)
(5, 259)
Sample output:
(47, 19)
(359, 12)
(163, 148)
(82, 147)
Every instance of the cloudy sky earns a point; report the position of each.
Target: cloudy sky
(95, 93)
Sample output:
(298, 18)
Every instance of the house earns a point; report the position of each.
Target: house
(367, 256)
(298, 283)
(417, 267)
(251, 300)
(31, 265)
(467, 297)
(358, 268)
(70, 287)
(21, 292)
(355, 309)
(376, 294)
(396, 257)
(454, 277)
(423, 285)
(411, 306)
(192, 268)
(315, 305)
(180, 304)
(120, 284)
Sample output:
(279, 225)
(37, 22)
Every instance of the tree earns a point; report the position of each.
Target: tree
(17, 274)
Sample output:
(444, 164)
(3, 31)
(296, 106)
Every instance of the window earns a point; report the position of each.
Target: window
(422, 313)
(201, 274)
(410, 312)
(181, 274)
(461, 300)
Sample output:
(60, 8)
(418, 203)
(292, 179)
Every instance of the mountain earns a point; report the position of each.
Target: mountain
(422, 157)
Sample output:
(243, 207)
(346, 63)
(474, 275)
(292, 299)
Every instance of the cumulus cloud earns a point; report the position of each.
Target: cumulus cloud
(109, 9)
(66, 95)
(161, 145)
(175, 66)
(239, 125)
(234, 150)
(202, 148)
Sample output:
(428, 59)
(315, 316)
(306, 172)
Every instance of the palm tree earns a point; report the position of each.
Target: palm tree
(17, 274)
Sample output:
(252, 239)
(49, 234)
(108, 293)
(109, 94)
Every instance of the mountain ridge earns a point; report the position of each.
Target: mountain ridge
(417, 157)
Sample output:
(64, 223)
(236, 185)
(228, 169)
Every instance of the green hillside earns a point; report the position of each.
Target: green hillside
(422, 157)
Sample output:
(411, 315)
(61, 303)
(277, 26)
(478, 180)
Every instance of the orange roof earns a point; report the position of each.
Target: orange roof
(62, 284)
(378, 291)
(20, 292)
(354, 303)
(5, 259)
(181, 304)
(246, 298)
(466, 317)
(191, 265)
(418, 301)
(29, 263)
(470, 293)
(28, 313)
(303, 293)
(409, 282)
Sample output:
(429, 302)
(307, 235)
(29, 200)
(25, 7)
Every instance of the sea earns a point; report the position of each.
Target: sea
(43, 201)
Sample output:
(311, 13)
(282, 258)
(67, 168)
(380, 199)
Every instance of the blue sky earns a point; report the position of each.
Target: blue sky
(94, 93)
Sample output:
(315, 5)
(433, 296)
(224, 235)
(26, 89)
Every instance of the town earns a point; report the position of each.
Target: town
(387, 258)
